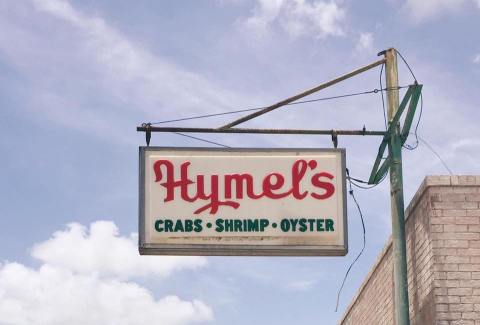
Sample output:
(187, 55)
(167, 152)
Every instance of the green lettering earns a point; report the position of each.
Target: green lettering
(179, 226)
(219, 224)
(198, 225)
(303, 224)
(329, 225)
(168, 225)
(158, 226)
(263, 224)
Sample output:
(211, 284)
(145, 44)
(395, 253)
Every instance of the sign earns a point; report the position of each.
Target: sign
(209, 201)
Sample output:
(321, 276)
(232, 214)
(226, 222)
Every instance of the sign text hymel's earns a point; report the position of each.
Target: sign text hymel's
(240, 184)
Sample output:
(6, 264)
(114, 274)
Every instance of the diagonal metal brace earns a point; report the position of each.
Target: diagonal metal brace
(412, 95)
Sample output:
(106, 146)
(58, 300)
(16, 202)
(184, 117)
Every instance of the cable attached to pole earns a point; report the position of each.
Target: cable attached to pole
(364, 239)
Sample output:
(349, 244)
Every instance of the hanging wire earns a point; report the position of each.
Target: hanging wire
(374, 91)
(364, 240)
(408, 66)
(436, 154)
(201, 139)
(415, 145)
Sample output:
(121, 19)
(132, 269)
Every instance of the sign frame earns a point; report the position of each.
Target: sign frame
(240, 249)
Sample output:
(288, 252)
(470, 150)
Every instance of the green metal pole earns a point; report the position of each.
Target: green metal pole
(396, 196)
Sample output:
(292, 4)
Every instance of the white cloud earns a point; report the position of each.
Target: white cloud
(101, 250)
(317, 19)
(62, 291)
(87, 75)
(301, 285)
(364, 43)
(476, 59)
(423, 10)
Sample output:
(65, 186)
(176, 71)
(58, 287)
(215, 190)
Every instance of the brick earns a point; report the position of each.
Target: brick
(469, 267)
(462, 322)
(469, 252)
(472, 213)
(455, 228)
(445, 206)
(457, 259)
(442, 307)
(456, 243)
(460, 307)
(471, 315)
(437, 181)
(459, 275)
(468, 283)
(473, 228)
(449, 316)
(467, 220)
(452, 235)
(447, 267)
(474, 243)
(472, 197)
(454, 197)
(443, 220)
(436, 228)
(460, 291)
(465, 189)
(445, 251)
(450, 299)
(476, 275)
(470, 299)
(454, 213)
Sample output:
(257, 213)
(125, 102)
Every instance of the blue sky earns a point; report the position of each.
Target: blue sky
(77, 77)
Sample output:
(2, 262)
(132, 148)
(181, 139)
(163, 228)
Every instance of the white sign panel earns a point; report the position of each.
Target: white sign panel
(204, 201)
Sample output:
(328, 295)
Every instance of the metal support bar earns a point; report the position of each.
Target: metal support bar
(402, 316)
(412, 95)
(304, 94)
(146, 128)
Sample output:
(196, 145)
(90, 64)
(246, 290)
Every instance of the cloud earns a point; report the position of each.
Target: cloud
(301, 285)
(101, 250)
(297, 18)
(424, 10)
(63, 291)
(364, 43)
(476, 59)
(82, 73)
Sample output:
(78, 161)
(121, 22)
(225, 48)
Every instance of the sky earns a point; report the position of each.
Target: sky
(77, 77)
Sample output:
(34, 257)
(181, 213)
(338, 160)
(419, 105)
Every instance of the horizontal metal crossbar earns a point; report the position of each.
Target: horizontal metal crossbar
(149, 128)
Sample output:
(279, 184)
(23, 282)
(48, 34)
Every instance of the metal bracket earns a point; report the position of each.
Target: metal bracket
(412, 95)
(335, 139)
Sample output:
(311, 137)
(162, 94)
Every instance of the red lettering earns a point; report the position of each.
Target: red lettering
(240, 179)
(243, 184)
(269, 187)
(326, 186)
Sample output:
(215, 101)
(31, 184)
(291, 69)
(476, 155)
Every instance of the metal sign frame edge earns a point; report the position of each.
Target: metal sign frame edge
(238, 250)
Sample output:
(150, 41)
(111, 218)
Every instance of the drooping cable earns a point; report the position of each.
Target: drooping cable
(259, 108)
(436, 154)
(364, 240)
(201, 139)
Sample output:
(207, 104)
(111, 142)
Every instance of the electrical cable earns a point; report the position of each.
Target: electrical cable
(259, 108)
(200, 139)
(408, 66)
(415, 145)
(364, 240)
(436, 154)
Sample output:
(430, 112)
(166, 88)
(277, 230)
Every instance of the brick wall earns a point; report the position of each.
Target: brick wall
(443, 254)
